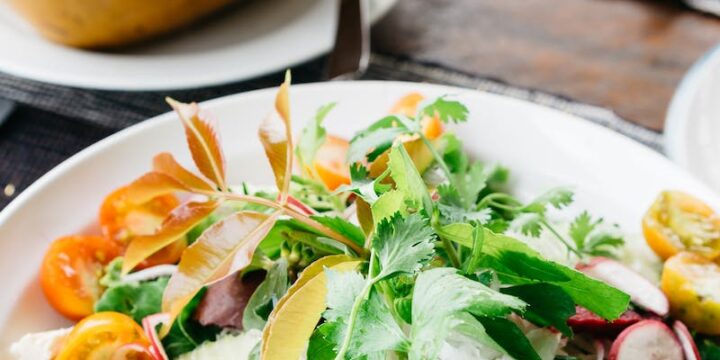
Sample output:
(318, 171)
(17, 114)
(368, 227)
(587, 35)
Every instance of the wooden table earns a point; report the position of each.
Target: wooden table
(627, 55)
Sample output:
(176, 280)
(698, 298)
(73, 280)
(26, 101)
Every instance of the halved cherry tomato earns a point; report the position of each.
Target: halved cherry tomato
(691, 283)
(408, 105)
(330, 163)
(106, 335)
(680, 222)
(121, 220)
(70, 272)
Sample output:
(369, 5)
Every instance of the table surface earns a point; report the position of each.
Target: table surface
(626, 55)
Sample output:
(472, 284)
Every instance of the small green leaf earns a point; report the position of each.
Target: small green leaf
(408, 180)
(137, 300)
(548, 305)
(376, 139)
(342, 226)
(267, 294)
(313, 136)
(387, 205)
(402, 245)
(446, 110)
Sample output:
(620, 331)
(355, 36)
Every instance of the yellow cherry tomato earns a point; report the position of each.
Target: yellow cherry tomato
(692, 284)
(106, 335)
(680, 222)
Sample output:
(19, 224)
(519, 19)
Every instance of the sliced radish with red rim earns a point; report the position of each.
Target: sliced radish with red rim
(646, 340)
(150, 324)
(642, 292)
(686, 340)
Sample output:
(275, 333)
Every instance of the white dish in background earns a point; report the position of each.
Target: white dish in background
(254, 39)
(612, 175)
(692, 125)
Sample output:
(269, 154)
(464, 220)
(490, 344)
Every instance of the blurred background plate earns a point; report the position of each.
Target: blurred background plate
(692, 126)
(254, 38)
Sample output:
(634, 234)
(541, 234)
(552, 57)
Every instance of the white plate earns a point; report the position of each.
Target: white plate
(612, 175)
(692, 125)
(256, 38)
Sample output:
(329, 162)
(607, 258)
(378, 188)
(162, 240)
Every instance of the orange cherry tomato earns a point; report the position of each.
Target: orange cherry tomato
(680, 222)
(106, 335)
(408, 105)
(70, 272)
(330, 163)
(121, 220)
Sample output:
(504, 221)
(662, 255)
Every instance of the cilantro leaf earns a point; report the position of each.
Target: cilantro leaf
(558, 198)
(313, 137)
(402, 244)
(368, 330)
(361, 184)
(446, 110)
(548, 305)
(452, 209)
(408, 180)
(267, 294)
(590, 238)
(528, 224)
(440, 298)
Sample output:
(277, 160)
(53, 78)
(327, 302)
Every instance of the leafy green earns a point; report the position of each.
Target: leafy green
(440, 298)
(502, 254)
(590, 238)
(509, 336)
(557, 198)
(709, 349)
(135, 299)
(315, 195)
(186, 333)
(446, 110)
(377, 138)
(387, 205)
(361, 184)
(548, 305)
(313, 136)
(342, 226)
(402, 244)
(267, 294)
(408, 180)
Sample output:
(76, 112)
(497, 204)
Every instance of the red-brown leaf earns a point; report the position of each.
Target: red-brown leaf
(165, 163)
(275, 135)
(223, 249)
(175, 226)
(151, 185)
(202, 140)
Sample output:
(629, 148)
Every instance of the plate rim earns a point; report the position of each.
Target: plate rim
(381, 8)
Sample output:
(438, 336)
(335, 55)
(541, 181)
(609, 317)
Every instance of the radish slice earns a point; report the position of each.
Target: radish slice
(150, 324)
(150, 273)
(648, 339)
(686, 340)
(641, 291)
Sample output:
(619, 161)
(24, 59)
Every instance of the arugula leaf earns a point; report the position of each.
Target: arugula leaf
(267, 294)
(440, 298)
(509, 336)
(186, 333)
(137, 300)
(313, 137)
(598, 297)
(408, 180)
(548, 305)
(590, 238)
(402, 245)
(446, 110)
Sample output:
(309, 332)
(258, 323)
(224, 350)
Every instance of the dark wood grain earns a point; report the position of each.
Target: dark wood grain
(623, 54)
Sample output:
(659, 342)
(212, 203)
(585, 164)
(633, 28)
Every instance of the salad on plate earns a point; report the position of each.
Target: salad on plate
(394, 244)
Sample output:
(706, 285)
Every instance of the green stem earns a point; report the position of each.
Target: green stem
(493, 200)
(559, 237)
(356, 308)
(450, 250)
(437, 156)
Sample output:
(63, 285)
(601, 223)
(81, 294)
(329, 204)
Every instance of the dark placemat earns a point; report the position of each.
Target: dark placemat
(53, 122)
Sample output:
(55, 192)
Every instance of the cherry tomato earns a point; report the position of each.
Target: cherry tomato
(680, 222)
(330, 162)
(106, 335)
(121, 220)
(70, 271)
(692, 284)
(408, 105)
